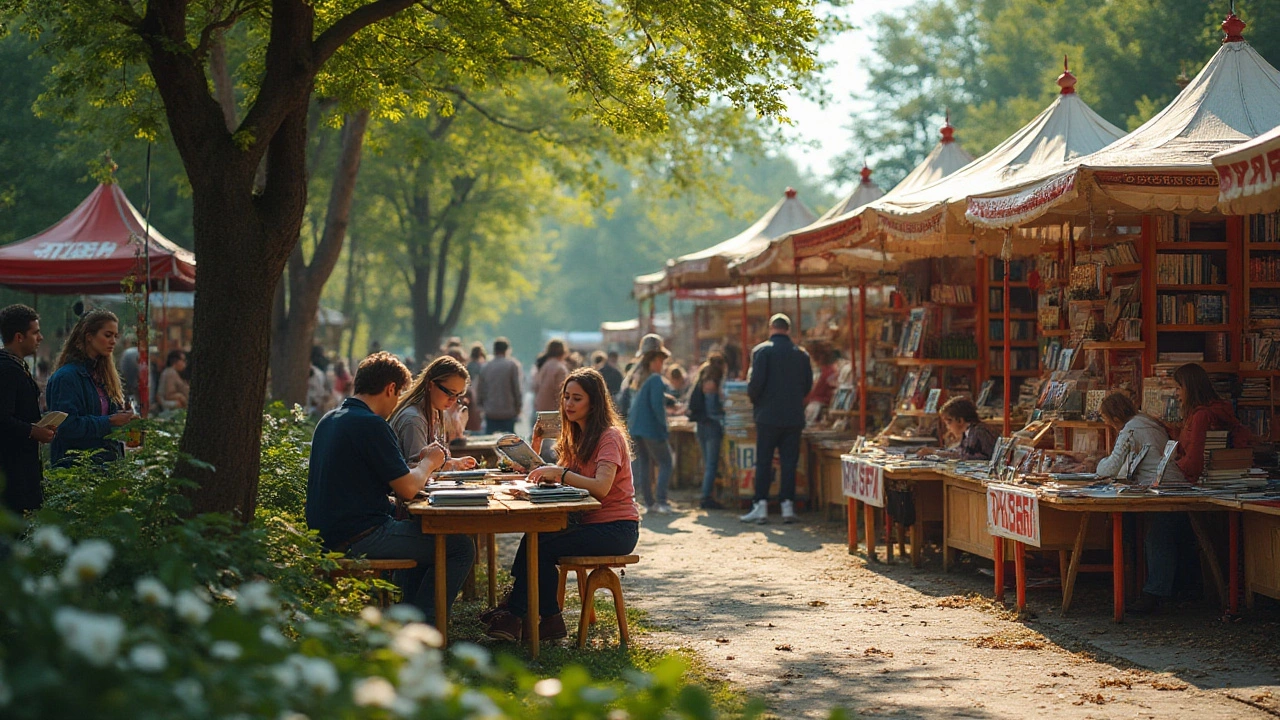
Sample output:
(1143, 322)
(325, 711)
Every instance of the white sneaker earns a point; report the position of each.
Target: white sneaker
(788, 511)
(759, 513)
(663, 509)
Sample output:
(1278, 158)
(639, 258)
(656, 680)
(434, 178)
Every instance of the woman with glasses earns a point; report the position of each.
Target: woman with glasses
(418, 420)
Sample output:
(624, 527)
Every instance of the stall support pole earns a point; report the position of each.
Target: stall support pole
(693, 338)
(1020, 574)
(1117, 564)
(997, 547)
(853, 344)
(1008, 371)
(768, 296)
(862, 354)
(851, 532)
(1233, 558)
(746, 337)
(869, 531)
(653, 309)
(799, 311)
(671, 315)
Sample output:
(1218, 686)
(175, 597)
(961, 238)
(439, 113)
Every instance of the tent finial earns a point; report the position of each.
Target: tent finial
(948, 132)
(865, 173)
(790, 193)
(1066, 80)
(1233, 27)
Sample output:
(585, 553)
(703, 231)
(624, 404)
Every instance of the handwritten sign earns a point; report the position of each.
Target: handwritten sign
(1013, 513)
(862, 480)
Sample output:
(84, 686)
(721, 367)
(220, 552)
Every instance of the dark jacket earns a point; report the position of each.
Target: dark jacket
(780, 377)
(73, 391)
(19, 454)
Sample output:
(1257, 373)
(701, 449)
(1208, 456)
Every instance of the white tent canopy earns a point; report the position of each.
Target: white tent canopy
(1165, 164)
(1067, 129)
(1249, 176)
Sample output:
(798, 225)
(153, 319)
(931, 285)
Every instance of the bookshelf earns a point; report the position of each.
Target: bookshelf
(1026, 276)
(1259, 368)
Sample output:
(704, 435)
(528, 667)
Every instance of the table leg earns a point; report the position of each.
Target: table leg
(869, 531)
(491, 549)
(997, 552)
(1117, 564)
(1233, 557)
(900, 532)
(531, 622)
(442, 593)
(851, 511)
(1077, 550)
(888, 535)
(917, 531)
(946, 529)
(1020, 574)
(469, 585)
(1206, 547)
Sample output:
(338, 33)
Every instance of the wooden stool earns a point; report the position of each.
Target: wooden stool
(365, 568)
(596, 573)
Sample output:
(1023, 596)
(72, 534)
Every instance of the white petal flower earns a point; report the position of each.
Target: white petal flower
(285, 674)
(256, 596)
(191, 607)
(95, 637)
(597, 695)
(404, 614)
(472, 656)
(148, 657)
(21, 552)
(29, 586)
(50, 539)
(152, 592)
(548, 687)
(371, 615)
(374, 692)
(225, 650)
(272, 636)
(319, 674)
(618, 714)
(480, 705)
(191, 693)
(87, 562)
(422, 677)
(315, 628)
(46, 585)
(414, 638)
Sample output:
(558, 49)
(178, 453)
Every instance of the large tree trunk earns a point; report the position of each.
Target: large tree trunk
(291, 345)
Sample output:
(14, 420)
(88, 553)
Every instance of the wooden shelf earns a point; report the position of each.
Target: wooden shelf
(1190, 288)
(1192, 328)
(1122, 269)
(999, 284)
(1064, 332)
(1263, 285)
(1117, 345)
(1254, 403)
(1191, 246)
(1079, 424)
(1221, 367)
(1262, 246)
(936, 361)
(1016, 343)
(1015, 373)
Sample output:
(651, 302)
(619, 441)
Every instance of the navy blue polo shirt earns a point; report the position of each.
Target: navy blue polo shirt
(354, 458)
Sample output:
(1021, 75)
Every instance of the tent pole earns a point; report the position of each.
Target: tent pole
(799, 310)
(653, 309)
(769, 299)
(862, 352)
(746, 336)
(671, 315)
(693, 337)
(1008, 371)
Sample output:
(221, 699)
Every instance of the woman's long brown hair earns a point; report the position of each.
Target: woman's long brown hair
(76, 350)
(1198, 386)
(576, 445)
(416, 396)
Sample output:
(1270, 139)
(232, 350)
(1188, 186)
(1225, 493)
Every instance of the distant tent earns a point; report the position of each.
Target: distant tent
(93, 250)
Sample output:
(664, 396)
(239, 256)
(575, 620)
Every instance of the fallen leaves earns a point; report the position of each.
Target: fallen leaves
(1018, 639)
(1107, 682)
(871, 651)
(782, 648)
(1094, 698)
(722, 640)
(817, 603)
(1168, 684)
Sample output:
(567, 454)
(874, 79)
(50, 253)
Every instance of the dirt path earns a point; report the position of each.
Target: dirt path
(786, 613)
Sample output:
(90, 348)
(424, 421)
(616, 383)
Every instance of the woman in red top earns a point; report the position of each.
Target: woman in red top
(1202, 411)
(595, 455)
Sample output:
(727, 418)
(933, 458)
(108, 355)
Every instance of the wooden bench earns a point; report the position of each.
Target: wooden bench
(366, 568)
(596, 573)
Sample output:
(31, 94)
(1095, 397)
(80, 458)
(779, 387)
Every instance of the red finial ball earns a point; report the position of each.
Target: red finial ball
(791, 193)
(1066, 80)
(866, 174)
(1233, 27)
(948, 132)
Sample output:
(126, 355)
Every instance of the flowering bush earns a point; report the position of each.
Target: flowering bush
(116, 606)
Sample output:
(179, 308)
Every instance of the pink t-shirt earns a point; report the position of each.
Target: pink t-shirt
(620, 503)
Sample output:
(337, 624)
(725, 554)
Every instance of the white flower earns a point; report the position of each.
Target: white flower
(317, 673)
(148, 657)
(190, 693)
(272, 636)
(422, 677)
(416, 637)
(375, 692)
(315, 629)
(152, 592)
(597, 695)
(87, 562)
(371, 615)
(404, 707)
(285, 674)
(21, 552)
(95, 637)
(548, 687)
(6, 693)
(292, 715)
(191, 607)
(480, 705)
(225, 650)
(472, 656)
(256, 596)
(404, 614)
(46, 585)
(618, 714)
(50, 539)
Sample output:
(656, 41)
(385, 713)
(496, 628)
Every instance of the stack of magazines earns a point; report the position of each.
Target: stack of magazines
(459, 498)
(549, 494)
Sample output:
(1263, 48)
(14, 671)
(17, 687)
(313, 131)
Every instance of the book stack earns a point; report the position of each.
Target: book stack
(1263, 347)
(550, 493)
(737, 407)
(459, 498)
(1122, 253)
(1228, 468)
(1191, 309)
(951, 294)
(1255, 388)
(1264, 228)
(1257, 419)
(1186, 269)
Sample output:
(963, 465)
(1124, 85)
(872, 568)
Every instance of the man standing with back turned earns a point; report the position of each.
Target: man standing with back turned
(779, 379)
(499, 394)
(20, 467)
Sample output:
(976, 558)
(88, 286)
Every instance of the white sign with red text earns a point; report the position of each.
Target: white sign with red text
(1013, 513)
(862, 480)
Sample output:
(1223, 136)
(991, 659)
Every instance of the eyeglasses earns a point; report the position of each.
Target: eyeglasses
(449, 393)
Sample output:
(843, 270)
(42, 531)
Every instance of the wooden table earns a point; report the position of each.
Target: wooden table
(503, 514)
(1261, 535)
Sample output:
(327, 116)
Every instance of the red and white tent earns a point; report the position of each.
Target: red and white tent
(1249, 176)
(93, 249)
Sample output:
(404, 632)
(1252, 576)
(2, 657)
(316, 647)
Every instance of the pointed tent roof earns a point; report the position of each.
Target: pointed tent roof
(93, 249)
(866, 191)
(1164, 164)
(1249, 176)
(836, 229)
(1065, 130)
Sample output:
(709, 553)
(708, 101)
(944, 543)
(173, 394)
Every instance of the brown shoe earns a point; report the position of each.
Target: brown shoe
(552, 628)
(505, 626)
(488, 615)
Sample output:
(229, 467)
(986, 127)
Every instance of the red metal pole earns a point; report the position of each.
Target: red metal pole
(1020, 574)
(1008, 371)
(1233, 557)
(799, 310)
(862, 354)
(851, 531)
(869, 531)
(746, 336)
(768, 294)
(693, 338)
(997, 548)
(1117, 564)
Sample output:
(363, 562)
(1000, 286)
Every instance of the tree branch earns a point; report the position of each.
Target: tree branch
(353, 22)
(460, 290)
(458, 92)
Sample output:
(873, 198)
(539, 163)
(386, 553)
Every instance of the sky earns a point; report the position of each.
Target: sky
(821, 133)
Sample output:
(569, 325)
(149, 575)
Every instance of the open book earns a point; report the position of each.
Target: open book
(519, 452)
(52, 419)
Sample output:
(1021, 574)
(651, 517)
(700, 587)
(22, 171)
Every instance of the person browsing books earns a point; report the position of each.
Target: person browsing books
(21, 471)
(86, 386)
(1135, 433)
(418, 419)
(960, 418)
(355, 462)
(594, 454)
(1202, 411)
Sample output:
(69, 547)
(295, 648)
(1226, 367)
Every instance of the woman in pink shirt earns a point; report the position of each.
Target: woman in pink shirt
(594, 453)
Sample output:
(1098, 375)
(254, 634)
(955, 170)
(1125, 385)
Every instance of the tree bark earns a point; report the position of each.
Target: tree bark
(291, 345)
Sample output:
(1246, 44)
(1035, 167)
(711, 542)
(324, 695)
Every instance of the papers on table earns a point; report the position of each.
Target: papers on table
(550, 493)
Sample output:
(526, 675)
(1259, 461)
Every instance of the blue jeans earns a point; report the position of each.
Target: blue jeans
(1166, 534)
(786, 440)
(494, 425)
(610, 538)
(650, 451)
(710, 433)
(403, 539)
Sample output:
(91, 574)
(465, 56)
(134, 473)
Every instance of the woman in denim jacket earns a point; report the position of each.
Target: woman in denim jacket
(87, 388)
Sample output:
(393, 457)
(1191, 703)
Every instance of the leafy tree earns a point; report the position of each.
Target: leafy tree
(150, 60)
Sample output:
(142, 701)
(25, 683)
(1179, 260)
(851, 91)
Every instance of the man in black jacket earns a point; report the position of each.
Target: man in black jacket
(19, 411)
(779, 379)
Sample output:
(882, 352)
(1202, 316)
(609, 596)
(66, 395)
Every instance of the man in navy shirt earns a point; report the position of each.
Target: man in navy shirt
(355, 464)
(780, 377)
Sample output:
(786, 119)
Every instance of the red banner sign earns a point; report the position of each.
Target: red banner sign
(862, 480)
(1013, 513)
